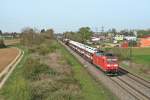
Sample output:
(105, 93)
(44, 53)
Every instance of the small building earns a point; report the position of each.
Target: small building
(119, 37)
(130, 38)
(125, 44)
(95, 39)
(145, 41)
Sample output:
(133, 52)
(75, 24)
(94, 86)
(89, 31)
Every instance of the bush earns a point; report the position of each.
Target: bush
(43, 49)
(46, 47)
(33, 70)
(2, 44)
(122, 53)
(132, 43)
(40, 90)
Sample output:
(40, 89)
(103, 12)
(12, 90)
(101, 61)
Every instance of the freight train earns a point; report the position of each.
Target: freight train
(107, 62)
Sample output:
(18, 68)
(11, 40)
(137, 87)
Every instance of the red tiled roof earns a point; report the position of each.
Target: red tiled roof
(146, 36)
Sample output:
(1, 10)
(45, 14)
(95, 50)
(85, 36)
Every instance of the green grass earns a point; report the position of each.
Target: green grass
(91, 90)
(141, 62)
(16, 87)
(141, 55)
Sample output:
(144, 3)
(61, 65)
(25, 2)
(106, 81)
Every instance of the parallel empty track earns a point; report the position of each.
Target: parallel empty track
(136, 86)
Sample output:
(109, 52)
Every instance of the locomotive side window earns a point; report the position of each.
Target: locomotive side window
(99, 53)
(109, 55)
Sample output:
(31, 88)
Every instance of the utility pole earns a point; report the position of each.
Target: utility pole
(96, 29)
(102, 29)
(131, 54)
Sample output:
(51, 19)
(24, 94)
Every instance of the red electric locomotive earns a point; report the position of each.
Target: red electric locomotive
(105, 61)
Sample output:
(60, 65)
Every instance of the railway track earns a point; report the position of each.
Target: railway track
(137, 87)
(137, 91)
(136, 78)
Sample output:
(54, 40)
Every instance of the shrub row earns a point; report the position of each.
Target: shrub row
(2, 44)
(47, 82)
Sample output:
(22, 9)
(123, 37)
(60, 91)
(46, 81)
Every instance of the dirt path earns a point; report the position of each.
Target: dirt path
(7, 55)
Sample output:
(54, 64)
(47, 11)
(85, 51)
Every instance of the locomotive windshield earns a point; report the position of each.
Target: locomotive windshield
(100, 53)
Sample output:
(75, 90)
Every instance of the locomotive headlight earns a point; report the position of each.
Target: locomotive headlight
(108, 65)
(116, 65)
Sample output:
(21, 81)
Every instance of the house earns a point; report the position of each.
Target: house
(119, 38)
(125, 44)
(130, 38)
(145, 41)
(95, 39)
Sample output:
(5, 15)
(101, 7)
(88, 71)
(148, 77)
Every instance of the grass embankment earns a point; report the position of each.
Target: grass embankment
(16, 87)
(135, 60)
(49, 72)
(90, 89)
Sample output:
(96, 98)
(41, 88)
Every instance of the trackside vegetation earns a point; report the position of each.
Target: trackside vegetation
(2, 45)
(135, 60)
(49, 72)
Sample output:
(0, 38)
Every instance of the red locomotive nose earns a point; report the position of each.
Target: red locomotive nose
(112, 66)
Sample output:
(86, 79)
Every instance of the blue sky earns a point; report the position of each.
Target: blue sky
(63, 15)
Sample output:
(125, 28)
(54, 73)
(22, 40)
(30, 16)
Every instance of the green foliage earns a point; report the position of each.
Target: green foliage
(82, 35)
(121, 53)
(30, 37)
(45, 82)
(33, 69)
(143, 32)
(85, 33)
(1, 32)
(43, 49)
(132, 43)
(49, 34)
(141, 55)
(2, 44)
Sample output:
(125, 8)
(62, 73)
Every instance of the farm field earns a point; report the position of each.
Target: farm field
(141, 55)
(12, 41)
(7, 55)
(139, 62)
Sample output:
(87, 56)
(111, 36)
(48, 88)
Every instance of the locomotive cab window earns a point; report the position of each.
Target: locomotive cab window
(109, 55)
(100, 53)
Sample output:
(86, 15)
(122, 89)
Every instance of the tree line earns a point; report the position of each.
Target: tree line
(83, 34)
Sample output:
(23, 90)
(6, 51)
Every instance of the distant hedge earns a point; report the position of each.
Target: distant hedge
(2, 44)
